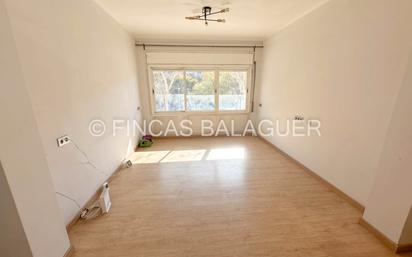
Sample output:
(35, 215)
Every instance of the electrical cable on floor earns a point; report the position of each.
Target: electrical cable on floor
(87, 213)
(95, 209)
(92, 212)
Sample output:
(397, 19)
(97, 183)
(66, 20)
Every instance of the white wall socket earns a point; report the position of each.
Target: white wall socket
(61, 141)
(299, 117)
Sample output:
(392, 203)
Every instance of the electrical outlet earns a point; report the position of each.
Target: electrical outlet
(61, 141)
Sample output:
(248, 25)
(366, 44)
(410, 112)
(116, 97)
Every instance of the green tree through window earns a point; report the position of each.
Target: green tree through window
(194, 90)
(232, 90)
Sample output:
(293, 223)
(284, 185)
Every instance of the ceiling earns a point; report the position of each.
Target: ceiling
(248, 20)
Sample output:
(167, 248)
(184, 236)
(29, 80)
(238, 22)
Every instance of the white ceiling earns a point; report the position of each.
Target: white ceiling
(247, 20)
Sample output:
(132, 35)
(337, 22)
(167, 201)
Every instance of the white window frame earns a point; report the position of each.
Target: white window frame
(216, 69)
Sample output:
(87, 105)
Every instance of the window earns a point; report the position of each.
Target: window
(200, 90)
(232, 90)
(169, 91)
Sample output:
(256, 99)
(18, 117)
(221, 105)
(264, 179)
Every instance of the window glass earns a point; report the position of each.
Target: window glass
(169, 90)
(200, 90)
(194, 90)
(232, 90)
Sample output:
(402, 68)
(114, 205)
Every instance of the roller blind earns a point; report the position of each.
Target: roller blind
(200, 58)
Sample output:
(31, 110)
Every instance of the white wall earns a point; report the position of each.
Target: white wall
(390, 201)
(25, 182)
(169, 53)
(343, 64)
(79, 64)
(13, 240)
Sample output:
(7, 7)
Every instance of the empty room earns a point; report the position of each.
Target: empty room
(206, 128)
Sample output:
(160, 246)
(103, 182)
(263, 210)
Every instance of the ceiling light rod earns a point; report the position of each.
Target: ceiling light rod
(218, 20)
(183, 45)
(211, 13)
(207, 11)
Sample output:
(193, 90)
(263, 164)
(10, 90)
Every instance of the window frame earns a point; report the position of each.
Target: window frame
(216, 69)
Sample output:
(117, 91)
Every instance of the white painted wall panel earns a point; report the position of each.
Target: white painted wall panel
(79, 65)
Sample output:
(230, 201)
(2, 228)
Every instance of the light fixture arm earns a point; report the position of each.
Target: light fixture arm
(206, 12)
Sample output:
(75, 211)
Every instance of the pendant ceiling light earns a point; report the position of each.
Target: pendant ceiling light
(206, 12)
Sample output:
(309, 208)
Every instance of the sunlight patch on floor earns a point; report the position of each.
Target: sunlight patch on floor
(184, 156)
(144, 157)
(148, 157)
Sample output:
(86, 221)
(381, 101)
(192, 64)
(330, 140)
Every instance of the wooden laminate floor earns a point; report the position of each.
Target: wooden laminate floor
(221, 197)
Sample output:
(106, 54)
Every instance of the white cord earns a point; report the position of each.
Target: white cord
(95, 209)
(87, 213)
(71, 199)
(87, 158)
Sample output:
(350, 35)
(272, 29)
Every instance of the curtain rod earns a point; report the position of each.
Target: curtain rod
(172, 45)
